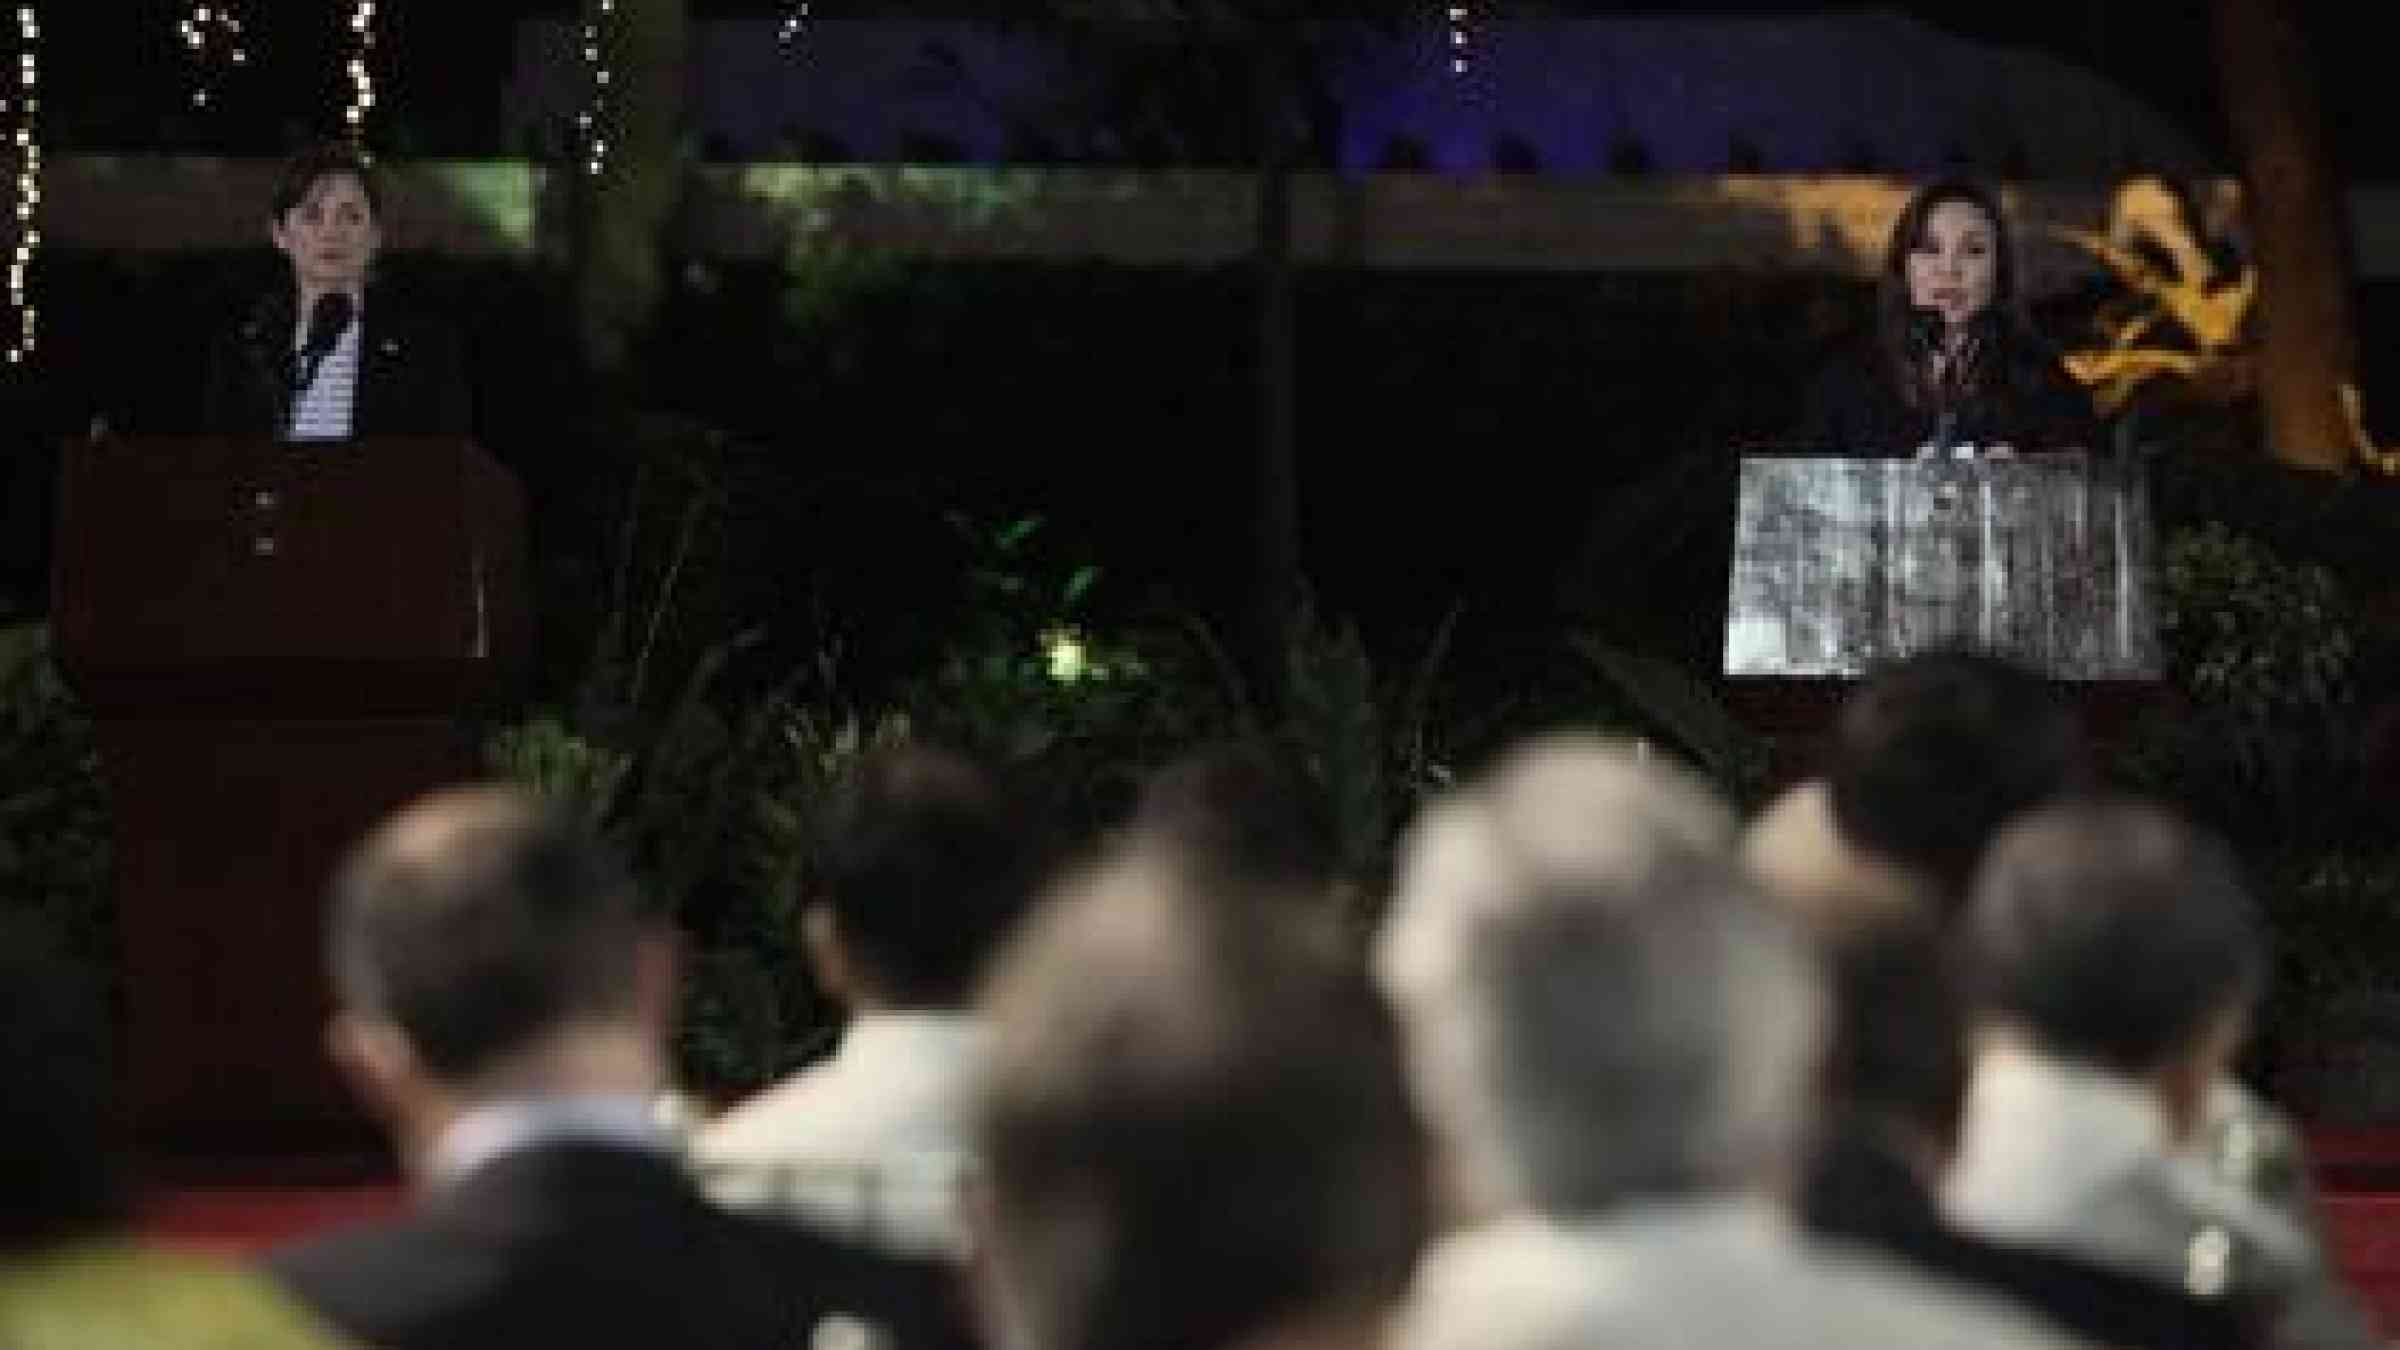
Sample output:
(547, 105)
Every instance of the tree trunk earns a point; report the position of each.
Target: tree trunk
(2297, 219)
(625, 205)
(1276, 522)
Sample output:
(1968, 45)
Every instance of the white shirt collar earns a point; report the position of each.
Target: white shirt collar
(2040, 1132)
(898, 1032)
(487, 1132)
(350, 329)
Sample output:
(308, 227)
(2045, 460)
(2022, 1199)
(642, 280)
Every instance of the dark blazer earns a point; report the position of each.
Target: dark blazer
(593, 1246)
(1856, 1190)
(411, 375)
(1855, 409)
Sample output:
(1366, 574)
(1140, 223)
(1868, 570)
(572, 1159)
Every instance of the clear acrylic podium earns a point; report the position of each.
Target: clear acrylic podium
(1839, 564)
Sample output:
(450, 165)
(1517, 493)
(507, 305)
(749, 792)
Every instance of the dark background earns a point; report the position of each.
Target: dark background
(441, 66)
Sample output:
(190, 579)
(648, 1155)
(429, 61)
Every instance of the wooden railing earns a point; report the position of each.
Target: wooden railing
(1168, 218)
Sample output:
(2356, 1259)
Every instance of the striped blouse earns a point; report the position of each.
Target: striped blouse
(323, 411)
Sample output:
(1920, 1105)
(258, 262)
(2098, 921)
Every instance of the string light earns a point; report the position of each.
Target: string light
(592, 123)
(792, 33)
(212, 43)
(211, 30)
(25, 112)
(360, 68)
(1461, 38)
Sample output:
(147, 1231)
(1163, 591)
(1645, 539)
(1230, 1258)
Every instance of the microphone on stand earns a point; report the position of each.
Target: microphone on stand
(1926, 336)
(1954, 368)
(1924, 333)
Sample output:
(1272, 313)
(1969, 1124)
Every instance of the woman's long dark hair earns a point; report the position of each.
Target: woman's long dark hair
(2004, 350)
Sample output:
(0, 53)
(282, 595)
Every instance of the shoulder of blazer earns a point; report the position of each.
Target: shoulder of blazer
(262, 325)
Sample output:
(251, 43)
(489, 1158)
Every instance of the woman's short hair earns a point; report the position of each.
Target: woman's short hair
(302, 172)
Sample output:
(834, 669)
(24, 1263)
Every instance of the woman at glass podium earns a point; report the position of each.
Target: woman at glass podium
(1953, 367)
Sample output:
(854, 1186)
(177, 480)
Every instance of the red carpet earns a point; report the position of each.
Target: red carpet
(2364, 1232)
(237, 1221)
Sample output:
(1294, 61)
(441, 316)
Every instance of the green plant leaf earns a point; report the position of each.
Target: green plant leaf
(1677, 706)
(1014, 535)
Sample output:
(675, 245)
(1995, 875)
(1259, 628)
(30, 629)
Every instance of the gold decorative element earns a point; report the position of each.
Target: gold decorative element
(2172, 286)
(2371, 455)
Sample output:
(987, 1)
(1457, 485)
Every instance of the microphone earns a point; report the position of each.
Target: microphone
(1951, 369)
(1935, 369)
(1924, 332)
(326, 320)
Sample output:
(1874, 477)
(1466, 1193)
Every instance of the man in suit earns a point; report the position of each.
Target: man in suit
(326, 356)
(1197, 1131)
(1889, 1099)
(1928, 763)
(504, 1008)
(1617, 1035)
(1931, 759)
(2115, 957)
(925, 868)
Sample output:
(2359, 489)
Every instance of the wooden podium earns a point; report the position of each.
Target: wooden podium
(1839, 564)
(279, 644)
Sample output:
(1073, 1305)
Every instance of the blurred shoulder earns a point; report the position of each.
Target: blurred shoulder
(118, 1294)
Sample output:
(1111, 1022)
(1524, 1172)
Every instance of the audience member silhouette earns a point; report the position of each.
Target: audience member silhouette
(504, 1006)
(1197, 1129)
(72, 1275)
(2115, 956)
(922, 870)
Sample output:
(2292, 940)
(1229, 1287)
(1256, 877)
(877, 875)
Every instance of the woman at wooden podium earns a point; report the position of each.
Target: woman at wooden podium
(1953, 361)
(325, 356)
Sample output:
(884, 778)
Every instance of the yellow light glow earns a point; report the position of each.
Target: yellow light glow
(1064, 653)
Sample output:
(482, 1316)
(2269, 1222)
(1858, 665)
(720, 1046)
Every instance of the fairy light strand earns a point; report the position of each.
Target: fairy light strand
(24, 112)
(1459, 38)
(592, 124)
(361, 69)
(213, 43)
(791, 34)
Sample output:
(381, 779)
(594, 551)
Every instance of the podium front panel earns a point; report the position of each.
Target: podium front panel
(1839, 564)
(333, 579)
(279, 645)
